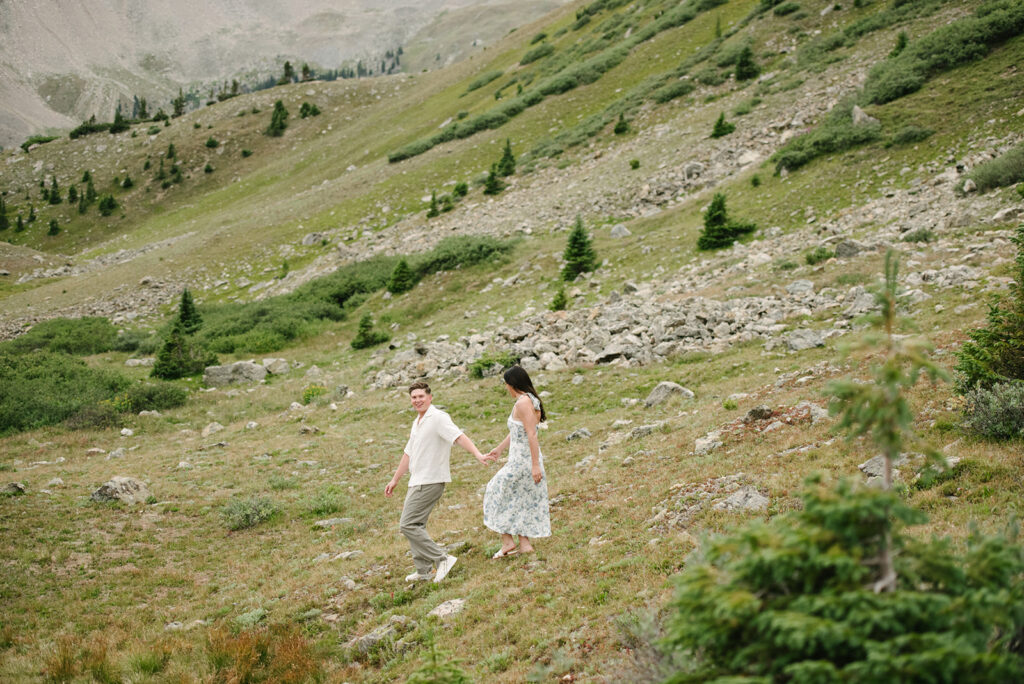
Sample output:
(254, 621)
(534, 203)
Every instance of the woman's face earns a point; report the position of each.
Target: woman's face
(510, 389)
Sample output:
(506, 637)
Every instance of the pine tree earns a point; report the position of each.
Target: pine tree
(719, 229)
(143, 109)
(107, 205)
(54, 228)
(5, 222)
(172, 152)
(433, 210)
(559, 302)
(579, 253)
(188, 315)
(621, 126)
(55, 197)
(718, 26)
(507, 163)
(366, 336)
(402, 278)
(746, 68)
(180, 356)
(278, 120)
(178, 104)
(20, 225)
(90, 192)
(289, 74)
(72, 194)
(995, 354)
(493, 185)
(127, 182)
(86, 176)
(722, 127)
(120, 124)
(307, 74)
(31, 214)
(901, 44)
(82, 204)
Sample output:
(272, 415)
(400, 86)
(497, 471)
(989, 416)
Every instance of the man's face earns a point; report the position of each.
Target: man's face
(420, 400)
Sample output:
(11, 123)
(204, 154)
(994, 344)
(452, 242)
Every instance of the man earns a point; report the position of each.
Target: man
(426, 456)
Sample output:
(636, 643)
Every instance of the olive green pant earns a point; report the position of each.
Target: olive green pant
(418, 503)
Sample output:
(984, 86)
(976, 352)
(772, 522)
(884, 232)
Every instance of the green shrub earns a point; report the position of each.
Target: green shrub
(88, 128)
(483, 79)
(711, 75)
(212, 143)
(785, 8)
(156, 396)
(1004, 170)
(181, 356)
(307, 109)
(80, 336)
(634, 164)
(536, 39)
(559, 302)
(402, 278)
(488, 361)
(278, 120)
(720, 230)
(910, 134)
(327, 501)
(996, 413)
(311, 392)
(919, 235)
(730, 405)
(246, 153)
(671, 91)
(746, 67)
(755, 181)
(835, 134)
(793, 599)
(208, 168)
(101, 416)
(439, 668)
(818, 255)
(951, 45)
(107, 205)
(40, 388)
(539, 52)
(241, 514)
(366, 336)
(995, 354)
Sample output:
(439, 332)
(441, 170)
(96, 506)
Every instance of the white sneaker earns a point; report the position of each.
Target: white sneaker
(417, 577)
(444, 567)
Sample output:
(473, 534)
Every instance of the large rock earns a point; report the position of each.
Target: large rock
(862, 118)
(276, 366)
(619, 230)
(745, 499)
(240, 372)
(799, 340)
(707, 443)
(663, 391)
(14, 489)
(848, 248)
(124, 489)
(798, 287)
(449, 608)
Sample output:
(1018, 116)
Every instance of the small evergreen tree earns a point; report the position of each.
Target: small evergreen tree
(718, 26)
(31, 214)
(172, 151)
(621, 126)
(82, 204)
(107, 205)
(212, 142)
(127, 182)
(72, 194)
(579, 253)
(54, 228)
(143, 109)
(188, 315)
(5, 222)
(719, 229)
(178, 104)
(366, 336)
(307, 73)
(901, 44)
(86, 176)
(278, 120)
(120, 124)
(722, 127)
(746, 67)
(433, 210)
(402, 278)
(90, 192)
(447, 203)
(493, 185)
(208, 168)
(507, 163)
(54, 197)
(181, 356)
(559, 302)
(20, 225)
(995, 354)
(161, 174)
(308, 109)
(461, 189)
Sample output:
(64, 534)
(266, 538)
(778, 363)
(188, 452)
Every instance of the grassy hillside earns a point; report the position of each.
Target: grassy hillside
(167, 591)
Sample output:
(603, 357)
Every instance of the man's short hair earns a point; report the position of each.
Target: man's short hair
(419, 385)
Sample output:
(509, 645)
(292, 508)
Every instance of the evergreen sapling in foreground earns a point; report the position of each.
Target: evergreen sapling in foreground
(722, 127)
(366, 336)
(720, 230)
(402, 278)
(493, 185)
(188, 315)
(507, 163)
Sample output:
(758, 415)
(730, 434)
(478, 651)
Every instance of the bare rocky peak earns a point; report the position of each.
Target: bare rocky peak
(63, 62)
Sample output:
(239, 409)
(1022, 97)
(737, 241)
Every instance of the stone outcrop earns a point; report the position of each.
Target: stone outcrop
(238, 373)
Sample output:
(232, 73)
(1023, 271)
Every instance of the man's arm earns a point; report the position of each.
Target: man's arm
(466, 443)
(403, 468)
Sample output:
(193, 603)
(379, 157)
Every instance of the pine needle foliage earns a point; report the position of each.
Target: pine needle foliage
(722, 127)
(719, 229)
(494, 185)
(278, 120)
(181, 356)
(792, 600)
(995, 354)
(507, 163)
(746, 67)
(579, 253)
(366, 336)
(559, 302)
(402, 278)
(188, 315)
(439, 668)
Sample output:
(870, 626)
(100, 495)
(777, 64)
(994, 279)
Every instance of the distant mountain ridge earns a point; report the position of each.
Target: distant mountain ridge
(63, 62)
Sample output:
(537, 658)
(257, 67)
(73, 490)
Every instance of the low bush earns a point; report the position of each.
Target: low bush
(37, 140)
(79, 336)
(835, 134)
(156, 396)
(101, 416)
(39, 388)
(309, 394)
(88, 128)
(785, 8)
(326, 502)
(107, 205)
(483, 79)
(212, 143)
(996, 413)
(539, 52)
(919, 235)
(672, 90)
(908, 135)
(634, 164)
(241, 514)
(818, 254)
(1004, 170)
(485, 363)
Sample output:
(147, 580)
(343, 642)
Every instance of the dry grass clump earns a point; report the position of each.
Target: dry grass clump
(276, 653)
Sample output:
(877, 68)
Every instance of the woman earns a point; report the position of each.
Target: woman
(516, 501)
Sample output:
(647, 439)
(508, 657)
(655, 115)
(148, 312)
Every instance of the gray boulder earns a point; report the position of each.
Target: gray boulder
(449, 608)
(800, 287)
(240, 372)
(14, 489)
(745, 499)
(619, 230)
(762, 412)
(862, 118)
(581, 433)
(124, 489)
(848, 248)
(663, 391)
(799, 340)
(276, 366)
(707, 443)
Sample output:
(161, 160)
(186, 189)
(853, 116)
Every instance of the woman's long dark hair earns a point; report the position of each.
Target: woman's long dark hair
(519, 380)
